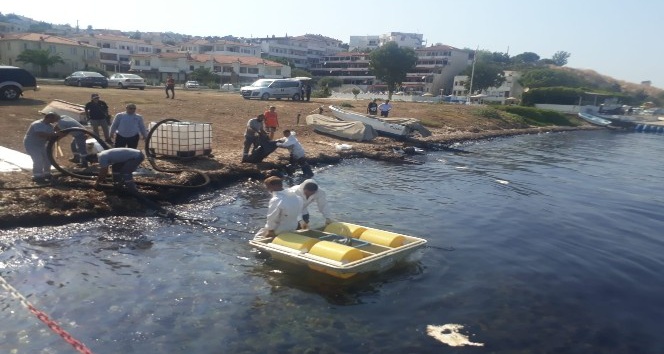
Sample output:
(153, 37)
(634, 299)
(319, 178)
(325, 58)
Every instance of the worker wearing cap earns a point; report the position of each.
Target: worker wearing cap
(97, 113)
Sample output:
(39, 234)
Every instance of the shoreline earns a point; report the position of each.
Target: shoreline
(74, 200)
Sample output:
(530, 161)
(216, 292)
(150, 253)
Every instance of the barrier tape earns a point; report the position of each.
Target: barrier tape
(78, 345)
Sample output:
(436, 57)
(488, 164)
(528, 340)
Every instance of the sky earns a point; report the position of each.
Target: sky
(618, 38)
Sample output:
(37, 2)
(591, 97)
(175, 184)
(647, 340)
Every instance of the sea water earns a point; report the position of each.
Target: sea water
(539, 243)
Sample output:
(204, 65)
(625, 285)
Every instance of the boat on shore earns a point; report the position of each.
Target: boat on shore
(593, 119)
(342, 249)
(392, 127)
(356, 131)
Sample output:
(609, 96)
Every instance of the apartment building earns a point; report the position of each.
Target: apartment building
(234, 69)
(115, 50)
(436, 68)
(350, 67)
(402, 39)
(75, 54)
(222, 47)
(364, 43)
(301, 51)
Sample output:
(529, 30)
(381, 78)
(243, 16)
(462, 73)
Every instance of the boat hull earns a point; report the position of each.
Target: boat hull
(382, 128)
(347, 251)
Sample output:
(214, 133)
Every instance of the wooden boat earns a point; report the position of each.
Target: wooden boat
(357, 131)
(342, 250)
(592, 119)
(64, 108)
(392, 127)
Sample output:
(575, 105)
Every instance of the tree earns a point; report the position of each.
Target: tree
(136, 35)
(560, 58)
(548, 77)
(390, 63)
(300, 73)
(204, 75)
(528, 58)
(40, 57)
(486, 74)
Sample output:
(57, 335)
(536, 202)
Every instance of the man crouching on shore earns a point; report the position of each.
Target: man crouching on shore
(124, 161)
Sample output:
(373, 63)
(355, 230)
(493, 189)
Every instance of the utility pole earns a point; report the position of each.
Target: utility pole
(472, 73)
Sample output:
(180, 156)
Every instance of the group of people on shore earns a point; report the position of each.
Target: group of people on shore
(373, 108)
(125, 129)
(260, 133)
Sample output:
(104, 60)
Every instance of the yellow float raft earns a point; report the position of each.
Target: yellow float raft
(341, 249)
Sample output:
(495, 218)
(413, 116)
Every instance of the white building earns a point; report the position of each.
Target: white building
(223, 47)
(436, 68)
(234, 69)
(115, 50)
(509, 92)
(301, 51)
(402, 39)
(351, 68)
(363, 43)
(76, 55)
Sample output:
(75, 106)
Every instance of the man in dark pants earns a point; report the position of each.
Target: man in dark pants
(124, 161)
(308, 91)
(170, 86)
(127, 126)
(97, 113)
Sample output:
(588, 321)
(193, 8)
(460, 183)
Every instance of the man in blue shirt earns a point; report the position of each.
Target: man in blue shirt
(124, 161)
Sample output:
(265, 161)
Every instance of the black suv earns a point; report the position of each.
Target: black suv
(13, 81)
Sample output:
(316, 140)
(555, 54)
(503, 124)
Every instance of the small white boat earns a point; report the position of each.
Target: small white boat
(594, 119)
(342, 249)
(393, 127)
(357, 131)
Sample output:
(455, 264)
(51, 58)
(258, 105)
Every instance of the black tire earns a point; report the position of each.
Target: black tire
(80, 84)
(141, 88)
(265, 96)
(10, 92)
(103, 86)
(296, 97)
(120, 85)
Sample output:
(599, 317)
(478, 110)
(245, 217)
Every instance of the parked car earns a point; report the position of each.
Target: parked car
(14, 81)
(87, 79)
(125, 81)
(191, 84)
(265, 89)
(227, 87)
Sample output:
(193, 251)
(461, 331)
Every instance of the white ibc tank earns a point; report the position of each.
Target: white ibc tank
(181, 139)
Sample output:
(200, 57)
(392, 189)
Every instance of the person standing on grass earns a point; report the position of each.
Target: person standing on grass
(372, 108)
(170, 86)
(38, 134)
(271, 121)
(126, 128)
(307, 91)
(97, 113)
(385, 108)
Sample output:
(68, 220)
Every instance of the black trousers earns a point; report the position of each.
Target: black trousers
(121, 141)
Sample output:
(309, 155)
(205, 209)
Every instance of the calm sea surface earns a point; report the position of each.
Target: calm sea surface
(558, 247)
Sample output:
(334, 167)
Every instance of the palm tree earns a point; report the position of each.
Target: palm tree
(41, 58)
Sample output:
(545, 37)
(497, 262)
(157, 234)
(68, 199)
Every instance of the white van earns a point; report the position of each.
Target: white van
(273, 88)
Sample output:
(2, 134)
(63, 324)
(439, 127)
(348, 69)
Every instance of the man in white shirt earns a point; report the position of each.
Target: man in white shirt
(126, 128)
(296, 152)
(284, 212)
(310, 193)
(385, 108)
